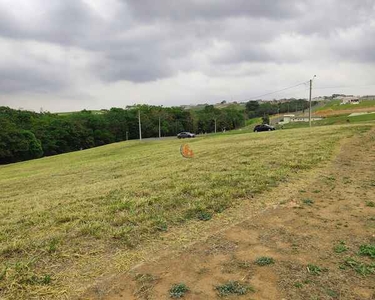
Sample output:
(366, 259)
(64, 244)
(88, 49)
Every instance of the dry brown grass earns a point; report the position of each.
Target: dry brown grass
(68, 220)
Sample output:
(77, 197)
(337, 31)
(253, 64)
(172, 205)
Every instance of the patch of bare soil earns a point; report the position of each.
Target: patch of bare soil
(313, 237)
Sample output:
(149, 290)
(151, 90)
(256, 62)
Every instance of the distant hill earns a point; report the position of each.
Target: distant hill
(334, 107)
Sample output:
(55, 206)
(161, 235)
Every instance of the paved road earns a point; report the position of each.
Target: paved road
(158, 139)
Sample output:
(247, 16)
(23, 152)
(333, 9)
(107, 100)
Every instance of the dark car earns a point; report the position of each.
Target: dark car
(183, 135)
(263, 127)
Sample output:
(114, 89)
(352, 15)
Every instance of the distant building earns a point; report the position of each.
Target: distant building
(368, 97)
(350, 100)
(293, 118)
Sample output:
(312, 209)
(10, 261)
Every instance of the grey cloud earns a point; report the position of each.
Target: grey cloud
(243, 53)
(25, 79)
(132, 66)
(65, 22)
(148, 40)
(212, 9)
(324, 17)
(357, 45)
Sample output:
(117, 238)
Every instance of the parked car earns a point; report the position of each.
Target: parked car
(183, 135)
(263, 127)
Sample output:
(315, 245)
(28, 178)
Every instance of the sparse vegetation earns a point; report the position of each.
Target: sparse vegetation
(178, 290)
(233, 288)
(314, 270)
(308, 201)
(145, 283)
(360, 267)
(264, 261)
(52, 245)
(235, 264)
(204, 215)
(370, 203)
(367, 250)
(341, 247)
(332, 293)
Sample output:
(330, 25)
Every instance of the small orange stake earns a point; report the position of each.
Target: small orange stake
(186, 151)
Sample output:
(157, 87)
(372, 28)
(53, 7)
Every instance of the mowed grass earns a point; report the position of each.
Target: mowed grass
(63, 216)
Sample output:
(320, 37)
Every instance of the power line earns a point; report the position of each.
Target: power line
(274, 92)
(304, 83)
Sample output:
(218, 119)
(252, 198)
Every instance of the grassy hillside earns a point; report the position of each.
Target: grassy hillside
(334, 120)
(66, 220)
(334, 107)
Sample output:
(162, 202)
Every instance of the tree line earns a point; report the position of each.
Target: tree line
(26, 135)
(256, 109)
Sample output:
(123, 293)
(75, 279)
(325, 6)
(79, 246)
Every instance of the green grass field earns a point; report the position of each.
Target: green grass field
(65, 219)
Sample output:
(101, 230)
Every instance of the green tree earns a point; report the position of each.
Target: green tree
(252, 106)
(18, 145)
(266, 119)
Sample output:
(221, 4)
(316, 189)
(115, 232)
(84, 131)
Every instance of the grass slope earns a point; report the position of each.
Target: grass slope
(335, 106)
(334, 120)
(58, 213)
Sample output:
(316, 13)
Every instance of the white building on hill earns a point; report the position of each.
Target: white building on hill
(293, 118)
(349, 100)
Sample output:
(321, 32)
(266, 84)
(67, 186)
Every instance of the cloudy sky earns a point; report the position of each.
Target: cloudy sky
(65, 55)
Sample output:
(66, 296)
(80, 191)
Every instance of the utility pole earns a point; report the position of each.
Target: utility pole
(310, 100)
(310, 103)
(127, 135)
(159, 129)
(215, 125)
(139, 124)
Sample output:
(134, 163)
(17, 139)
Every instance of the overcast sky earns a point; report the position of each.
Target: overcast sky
(65, 55)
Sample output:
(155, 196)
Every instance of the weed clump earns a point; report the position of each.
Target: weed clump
(361, 268)
(233, 288)
(178, 290)
(332, 293)
(145, 284)
(308, 201)
(367, 250)
(45, 279)
(52, 245)
(204, 215)
(315, 270)
(340, 248)
(22, 273)
(264, 261)
(370, 203)
(161, 225)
